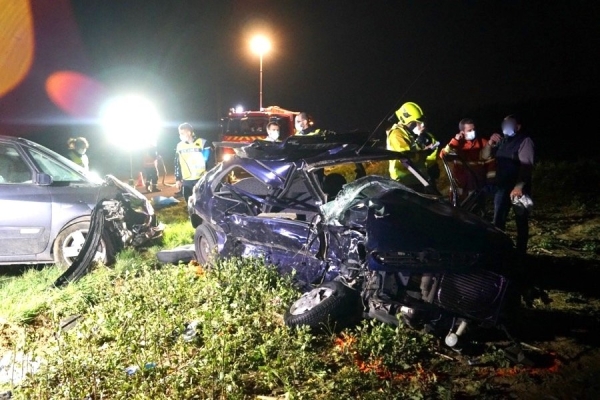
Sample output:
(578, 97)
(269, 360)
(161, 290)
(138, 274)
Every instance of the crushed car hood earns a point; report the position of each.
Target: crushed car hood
(396, 218)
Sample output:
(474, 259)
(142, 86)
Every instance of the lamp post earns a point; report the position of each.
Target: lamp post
(260, 45)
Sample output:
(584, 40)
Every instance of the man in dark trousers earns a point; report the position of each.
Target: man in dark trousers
(514, 153)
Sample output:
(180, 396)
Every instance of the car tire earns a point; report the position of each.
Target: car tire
(70, 240)
(331, 304)
(205, 244)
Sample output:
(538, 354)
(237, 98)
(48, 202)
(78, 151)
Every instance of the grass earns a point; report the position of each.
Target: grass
(135, 315)
(139, 315)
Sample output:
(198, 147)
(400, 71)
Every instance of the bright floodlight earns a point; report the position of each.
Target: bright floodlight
(260, 45)
(239, 109)
(131, 121)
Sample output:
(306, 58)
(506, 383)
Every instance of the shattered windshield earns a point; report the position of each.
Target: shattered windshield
(354, 195)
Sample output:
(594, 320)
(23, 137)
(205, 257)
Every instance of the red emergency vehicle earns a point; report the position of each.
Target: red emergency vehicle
(247, 126)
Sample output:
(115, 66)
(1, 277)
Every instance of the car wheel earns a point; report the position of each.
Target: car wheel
(332, 303)
(205, 243)
(70, 240)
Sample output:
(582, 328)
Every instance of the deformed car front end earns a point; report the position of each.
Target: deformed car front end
(131, 215)
(46, 202)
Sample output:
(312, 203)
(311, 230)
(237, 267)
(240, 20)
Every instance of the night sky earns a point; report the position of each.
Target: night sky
(348, 63)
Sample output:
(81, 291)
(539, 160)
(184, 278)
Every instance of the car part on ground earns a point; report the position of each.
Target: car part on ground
(184, 253)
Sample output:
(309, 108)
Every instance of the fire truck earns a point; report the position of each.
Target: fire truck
(246, 126)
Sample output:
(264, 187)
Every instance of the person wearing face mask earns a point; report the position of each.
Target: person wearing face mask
(474, 168)
(409, 134)
(191, 156)
(514, 154)
(77, 149)
(272, 132)
(303, 125)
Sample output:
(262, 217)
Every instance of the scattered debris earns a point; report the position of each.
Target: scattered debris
(132, 369)
(14, 367)
(190, 331)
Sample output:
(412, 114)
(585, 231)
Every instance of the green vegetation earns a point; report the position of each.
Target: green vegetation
(188, 331)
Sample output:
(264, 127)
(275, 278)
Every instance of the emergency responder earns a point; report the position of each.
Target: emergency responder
(409, 135)
(77, 149)
(191, 156)
(514, 153)
(304, 126)
(471, 170)
(272, 132)
(150, 161)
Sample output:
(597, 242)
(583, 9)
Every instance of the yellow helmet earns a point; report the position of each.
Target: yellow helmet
(409, 112)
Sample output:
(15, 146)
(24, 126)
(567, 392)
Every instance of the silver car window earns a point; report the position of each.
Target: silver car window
(13, 169)
(59, 172)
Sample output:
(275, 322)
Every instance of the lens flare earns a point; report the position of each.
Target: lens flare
(16, 43)
(74, 93)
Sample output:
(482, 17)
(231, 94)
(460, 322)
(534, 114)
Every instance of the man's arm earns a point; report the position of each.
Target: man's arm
(489, 150)
(526, 156)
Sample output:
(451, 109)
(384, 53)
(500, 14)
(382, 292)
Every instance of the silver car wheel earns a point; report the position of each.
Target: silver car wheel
(310, 300)
(74, 242)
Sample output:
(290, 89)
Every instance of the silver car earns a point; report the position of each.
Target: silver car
(46, 202)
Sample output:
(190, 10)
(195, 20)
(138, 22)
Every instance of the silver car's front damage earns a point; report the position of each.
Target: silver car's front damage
(128, 219)
(130, 215)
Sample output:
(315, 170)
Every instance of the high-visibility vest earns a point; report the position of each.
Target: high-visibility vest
(192, 159)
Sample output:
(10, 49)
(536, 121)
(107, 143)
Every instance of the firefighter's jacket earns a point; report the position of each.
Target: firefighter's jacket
(400, 138)
(474, 168)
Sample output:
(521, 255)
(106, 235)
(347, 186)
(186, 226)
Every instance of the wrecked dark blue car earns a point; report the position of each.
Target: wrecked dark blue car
(362, 245)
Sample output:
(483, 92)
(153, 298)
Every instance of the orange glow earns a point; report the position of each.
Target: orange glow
(260, 45)
(347, 343)
(74, 93)
(16, 43)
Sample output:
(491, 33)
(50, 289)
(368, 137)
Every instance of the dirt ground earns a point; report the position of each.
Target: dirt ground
(166, 186)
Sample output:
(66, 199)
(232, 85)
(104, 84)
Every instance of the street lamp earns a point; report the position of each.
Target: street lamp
(133, 122)
(260, 45)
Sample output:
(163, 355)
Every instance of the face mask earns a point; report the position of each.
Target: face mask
(273, 135)
(298, 126)
(418, 129)
(80, 151)
(470, 135)
(509, 131)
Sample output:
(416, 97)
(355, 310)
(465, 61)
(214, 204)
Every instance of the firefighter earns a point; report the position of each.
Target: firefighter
(191, 156)
(77, 149)
(304, 126)
(409, 135)
(474, 169)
